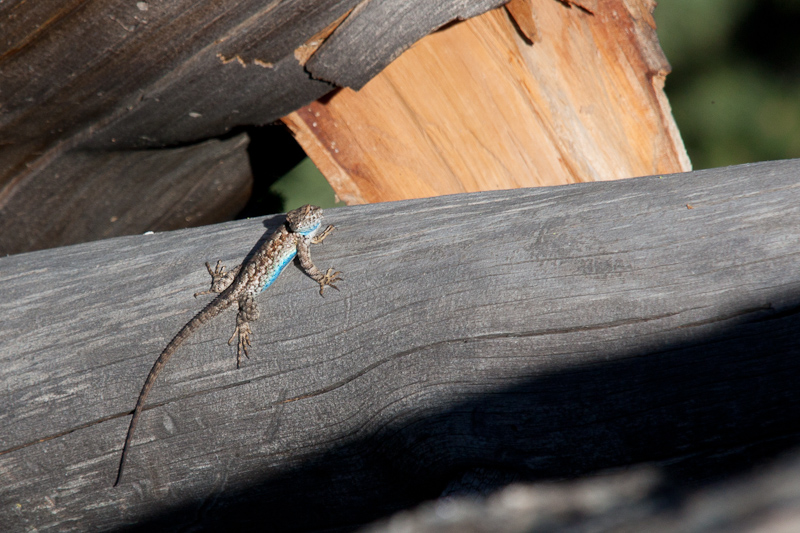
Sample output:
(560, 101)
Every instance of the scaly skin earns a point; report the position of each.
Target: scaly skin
(241, 285)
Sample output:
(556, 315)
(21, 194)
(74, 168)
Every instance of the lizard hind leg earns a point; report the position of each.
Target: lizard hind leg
(248, 312)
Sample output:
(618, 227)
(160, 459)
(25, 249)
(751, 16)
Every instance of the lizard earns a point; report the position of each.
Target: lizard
(241, 285)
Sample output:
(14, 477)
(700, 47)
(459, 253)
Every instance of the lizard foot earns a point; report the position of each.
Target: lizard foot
(328, 279)
(243, 332)
(220, 279)
(321, 237)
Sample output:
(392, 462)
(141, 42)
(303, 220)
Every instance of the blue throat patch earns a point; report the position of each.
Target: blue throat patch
(310, 230)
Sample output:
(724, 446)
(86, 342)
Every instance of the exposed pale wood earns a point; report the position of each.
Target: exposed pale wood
(522, 15)
(537, 333)
(477, 107)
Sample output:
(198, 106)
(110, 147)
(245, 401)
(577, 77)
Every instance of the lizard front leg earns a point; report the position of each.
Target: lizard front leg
(321, 237)
(304, 255)
(248, 312)
(220, 278)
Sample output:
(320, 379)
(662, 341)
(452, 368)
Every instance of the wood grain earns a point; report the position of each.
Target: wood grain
(88, 194)
(539, 333)
(80, 78)
(378, 31)
(478, 106)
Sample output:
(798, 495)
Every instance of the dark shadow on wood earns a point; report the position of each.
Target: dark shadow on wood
(635, 410)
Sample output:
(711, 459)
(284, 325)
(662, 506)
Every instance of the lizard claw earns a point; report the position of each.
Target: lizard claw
(220, 279)
(243, 332)
(321, 237)
(328, 279)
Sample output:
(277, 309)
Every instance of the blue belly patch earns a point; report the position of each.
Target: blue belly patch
(278, 268)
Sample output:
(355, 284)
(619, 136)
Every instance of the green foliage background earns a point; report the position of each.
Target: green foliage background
(735, 82)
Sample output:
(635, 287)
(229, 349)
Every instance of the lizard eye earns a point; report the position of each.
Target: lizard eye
(304, 219)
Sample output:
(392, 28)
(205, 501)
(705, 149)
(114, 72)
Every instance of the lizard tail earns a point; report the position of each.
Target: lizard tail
(209, 312)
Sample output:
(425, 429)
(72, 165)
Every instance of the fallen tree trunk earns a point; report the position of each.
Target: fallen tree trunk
(512, 335)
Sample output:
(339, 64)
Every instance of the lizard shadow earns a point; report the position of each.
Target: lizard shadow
(703, 411)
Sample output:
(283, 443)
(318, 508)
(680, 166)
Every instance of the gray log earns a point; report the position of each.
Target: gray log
(116, 75)
(119, 78)
(531, 334)
(93, 195)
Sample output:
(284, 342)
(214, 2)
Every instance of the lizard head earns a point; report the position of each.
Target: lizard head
(306, 220)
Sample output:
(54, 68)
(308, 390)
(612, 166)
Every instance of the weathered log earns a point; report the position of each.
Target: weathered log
(92, 194)
(114, 76)
(123, 75)
(534, 334)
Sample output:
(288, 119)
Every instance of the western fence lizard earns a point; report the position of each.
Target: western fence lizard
(302, 228)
